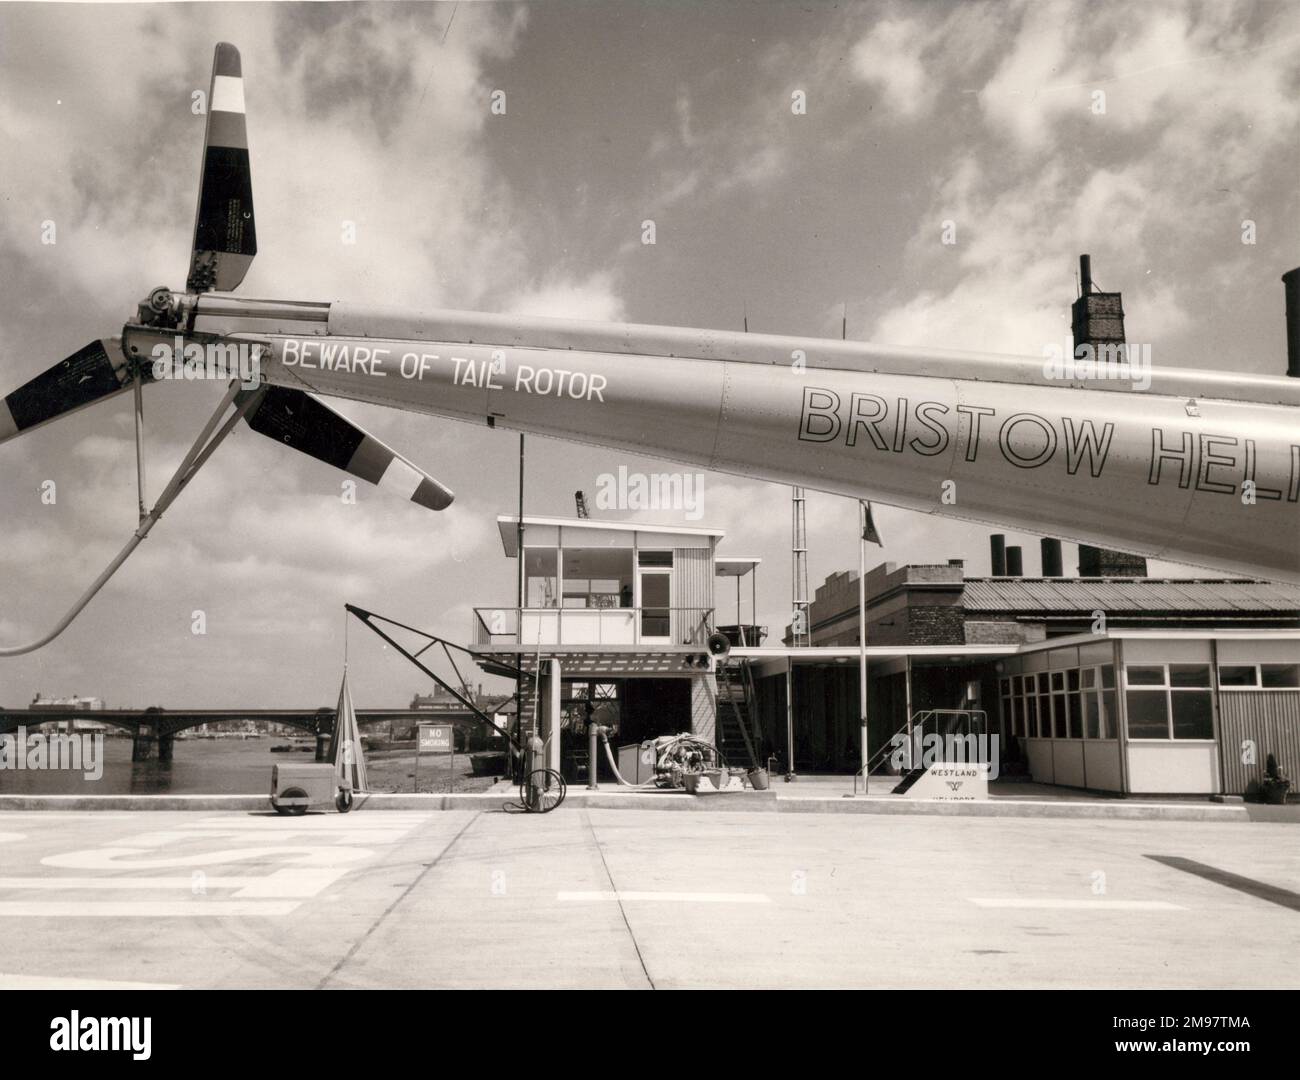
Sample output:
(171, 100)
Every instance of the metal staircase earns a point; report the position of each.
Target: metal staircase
(941, 722)
(733, 720)
(736, 724)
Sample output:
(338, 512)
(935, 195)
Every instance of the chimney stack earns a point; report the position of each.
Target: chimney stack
(1291, 279)
(1015, 562)
(1103, 562)
(1053, 565)
(998, 555)
(1097, 319)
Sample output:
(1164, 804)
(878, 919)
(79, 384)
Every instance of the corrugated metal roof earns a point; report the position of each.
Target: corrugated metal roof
(1127, 594)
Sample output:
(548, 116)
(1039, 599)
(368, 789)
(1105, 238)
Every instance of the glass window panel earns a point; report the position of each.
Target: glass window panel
(1189, 675)
(1031, 716)
(1280, 676)
(1042, 682)
(654, 605)
(1089, 676)
(1238, 675)
(1059, 716)
(1108, 676)
(597, 577)
(1109, 715)
(1145, 674)
(1092, 716)
(1076, 717)
(1058, 680)
(1193, 714)
(1018, 707)
(1148, 714)
(540, 584)
(655, 558)
(1072, 679)
(1004, 687)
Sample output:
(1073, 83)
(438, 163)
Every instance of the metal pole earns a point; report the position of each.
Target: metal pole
(789, 720)
(907, 691)
(519, 612)
(753, 596)
(592, 731)
(139, 442)
(416, 786)
(862, 644)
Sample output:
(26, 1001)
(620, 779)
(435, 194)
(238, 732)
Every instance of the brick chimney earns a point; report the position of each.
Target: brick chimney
(1098, 319)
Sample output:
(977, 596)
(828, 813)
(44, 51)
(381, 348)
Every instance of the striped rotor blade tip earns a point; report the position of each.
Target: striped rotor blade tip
(225, 236)
(92, 373)
(298, 420)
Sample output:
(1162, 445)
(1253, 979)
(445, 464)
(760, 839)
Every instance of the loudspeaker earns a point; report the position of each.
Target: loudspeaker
(719, 645)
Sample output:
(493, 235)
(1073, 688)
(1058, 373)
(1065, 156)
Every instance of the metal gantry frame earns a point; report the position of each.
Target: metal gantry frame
(541, 790)
(366, 618)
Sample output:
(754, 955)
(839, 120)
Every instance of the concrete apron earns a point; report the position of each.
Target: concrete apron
(742, 801)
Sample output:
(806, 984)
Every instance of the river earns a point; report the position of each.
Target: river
(237, 767)
(198, 767)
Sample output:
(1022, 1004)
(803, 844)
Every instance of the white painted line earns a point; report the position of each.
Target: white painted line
(318, 836)
(158, 909)
(377, 837)
(1076, 905)
(55, 884)
(299, 882)
(58, 982)
(128, 858)
(668, 897)
(291, 882)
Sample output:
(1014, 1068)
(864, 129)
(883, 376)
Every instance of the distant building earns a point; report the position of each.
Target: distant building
(87, 704)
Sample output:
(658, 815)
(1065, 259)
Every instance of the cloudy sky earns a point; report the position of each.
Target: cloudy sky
(984, 115)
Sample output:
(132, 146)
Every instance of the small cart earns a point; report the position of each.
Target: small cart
(295, 789)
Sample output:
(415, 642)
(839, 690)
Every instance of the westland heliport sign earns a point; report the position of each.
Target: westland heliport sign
(956, 766)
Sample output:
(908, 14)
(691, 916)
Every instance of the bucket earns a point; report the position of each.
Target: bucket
(758, 779)
(695, 782)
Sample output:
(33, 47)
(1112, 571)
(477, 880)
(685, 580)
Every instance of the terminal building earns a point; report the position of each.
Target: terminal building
(1122, 683)
(1115, 682)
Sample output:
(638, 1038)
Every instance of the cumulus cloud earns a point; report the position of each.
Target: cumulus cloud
(1139, 135)
(592, 298)
(890, 58)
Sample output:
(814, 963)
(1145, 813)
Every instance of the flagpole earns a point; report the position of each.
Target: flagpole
(862, 641)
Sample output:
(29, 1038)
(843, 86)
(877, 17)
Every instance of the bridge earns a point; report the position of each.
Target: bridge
(154, 729)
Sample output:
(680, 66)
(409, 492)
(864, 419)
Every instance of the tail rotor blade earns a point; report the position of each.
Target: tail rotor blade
(225, 239)
(299, 420)
(91, 374)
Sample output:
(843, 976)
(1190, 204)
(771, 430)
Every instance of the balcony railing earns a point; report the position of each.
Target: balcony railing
(592, 626)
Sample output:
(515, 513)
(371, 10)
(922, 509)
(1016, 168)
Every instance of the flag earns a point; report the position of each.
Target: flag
(345, 747)
(869, 526)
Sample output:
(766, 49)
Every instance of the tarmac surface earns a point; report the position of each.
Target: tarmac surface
(642, 899)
